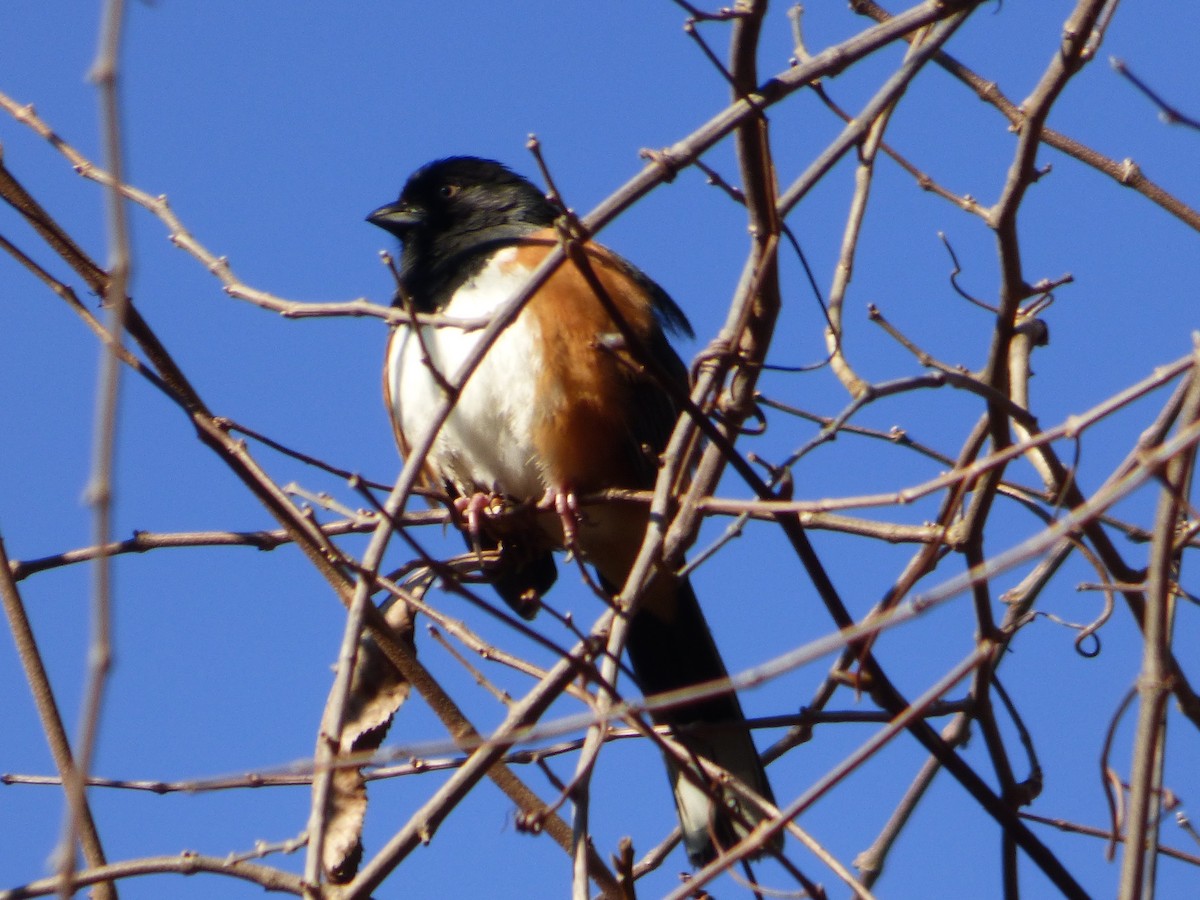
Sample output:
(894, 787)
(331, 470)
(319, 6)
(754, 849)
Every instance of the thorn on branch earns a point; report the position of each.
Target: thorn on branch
(1130, 172)
(529, 823)
(663, 160)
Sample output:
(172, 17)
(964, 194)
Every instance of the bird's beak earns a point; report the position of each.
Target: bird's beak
(398, 218)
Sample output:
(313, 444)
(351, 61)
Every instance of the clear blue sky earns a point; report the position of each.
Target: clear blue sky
(275, 127)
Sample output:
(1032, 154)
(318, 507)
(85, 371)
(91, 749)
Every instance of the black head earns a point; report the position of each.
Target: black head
(450, 215)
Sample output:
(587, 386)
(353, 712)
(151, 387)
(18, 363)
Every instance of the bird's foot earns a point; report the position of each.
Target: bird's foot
(566, 507)
(472, 509)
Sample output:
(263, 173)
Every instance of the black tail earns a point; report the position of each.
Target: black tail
(672, 648)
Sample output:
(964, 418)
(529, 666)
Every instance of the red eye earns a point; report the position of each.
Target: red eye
(448, 190)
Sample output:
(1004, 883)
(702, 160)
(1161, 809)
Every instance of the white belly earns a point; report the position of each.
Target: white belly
(486, 444)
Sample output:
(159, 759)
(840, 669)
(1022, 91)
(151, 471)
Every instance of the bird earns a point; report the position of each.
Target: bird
(560, 406)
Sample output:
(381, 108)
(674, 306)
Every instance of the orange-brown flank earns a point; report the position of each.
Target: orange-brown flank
(586, 388)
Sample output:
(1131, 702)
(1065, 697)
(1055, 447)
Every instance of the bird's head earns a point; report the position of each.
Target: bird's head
(454, 208)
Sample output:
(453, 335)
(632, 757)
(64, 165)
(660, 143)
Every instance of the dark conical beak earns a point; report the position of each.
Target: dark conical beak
(398, 218)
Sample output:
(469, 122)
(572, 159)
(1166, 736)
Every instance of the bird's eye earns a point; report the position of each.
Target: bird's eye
(448, 190)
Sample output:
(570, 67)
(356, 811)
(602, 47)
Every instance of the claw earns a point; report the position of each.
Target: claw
(566, 506)
(472, 509)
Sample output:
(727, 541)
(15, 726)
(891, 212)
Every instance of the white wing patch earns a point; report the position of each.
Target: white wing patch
(492, 425)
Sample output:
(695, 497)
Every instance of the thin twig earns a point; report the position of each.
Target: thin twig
(1124, 172)
(1168, 113)
(1137, 870)
(50, 716)
(100, 491)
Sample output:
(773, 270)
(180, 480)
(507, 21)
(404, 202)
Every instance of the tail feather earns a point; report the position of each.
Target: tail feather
(671, 647)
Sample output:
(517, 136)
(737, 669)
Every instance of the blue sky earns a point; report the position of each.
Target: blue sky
(275, 127)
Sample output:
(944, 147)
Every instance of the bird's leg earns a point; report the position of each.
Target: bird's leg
(472, 509)
(566, 506)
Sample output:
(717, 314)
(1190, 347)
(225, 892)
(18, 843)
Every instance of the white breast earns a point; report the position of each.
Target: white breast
(487, 442)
